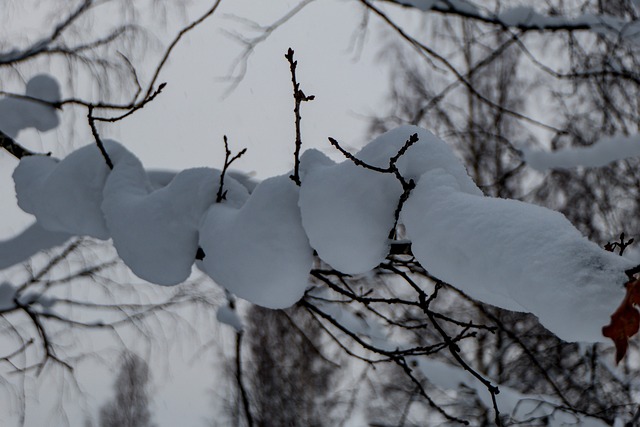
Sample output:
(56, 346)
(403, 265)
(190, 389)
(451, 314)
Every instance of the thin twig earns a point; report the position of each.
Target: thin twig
(96, 136)
(299, 97)
(228, 160)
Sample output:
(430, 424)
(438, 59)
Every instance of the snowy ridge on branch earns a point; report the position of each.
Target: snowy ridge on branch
(348, 211)
(527, 18)
(601, 153)
(516, 256)
(47, 187)
(260, 246)
(259, 252)
(155, 231)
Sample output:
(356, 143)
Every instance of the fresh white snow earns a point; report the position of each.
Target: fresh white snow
(156, 231)
(259, 252)
(516, 256)
(65, 195)
(347, 212)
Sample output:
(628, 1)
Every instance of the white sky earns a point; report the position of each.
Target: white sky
(184, 127)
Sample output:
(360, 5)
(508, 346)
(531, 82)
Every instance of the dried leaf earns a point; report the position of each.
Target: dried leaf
(625, 322)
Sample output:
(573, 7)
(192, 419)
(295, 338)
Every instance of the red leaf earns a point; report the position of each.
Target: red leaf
(625, 322)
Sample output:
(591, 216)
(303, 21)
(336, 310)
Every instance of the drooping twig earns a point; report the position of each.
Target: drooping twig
(228, 160)
(454, 349)
(96, 136)
(135, 107)
(299, 97)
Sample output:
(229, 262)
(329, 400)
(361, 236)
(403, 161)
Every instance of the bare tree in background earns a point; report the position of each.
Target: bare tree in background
(290, 376)
(491, 90)
(130, 405)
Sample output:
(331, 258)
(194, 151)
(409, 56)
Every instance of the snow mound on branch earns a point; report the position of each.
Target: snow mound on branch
(17, 114)
(527, 16)
(156, 231)
(601, 153)
(65, 195)
(348, 210)
(515, 255)
(259, 252)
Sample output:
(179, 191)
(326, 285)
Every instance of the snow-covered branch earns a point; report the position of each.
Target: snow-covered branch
(526, 18)
(600, 153)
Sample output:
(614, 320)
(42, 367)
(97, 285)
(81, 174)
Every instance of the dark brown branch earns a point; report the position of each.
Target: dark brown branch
(96, 137)
(407, 185)
(622, 245)
(356, 160)
(299, 97)
(395, 356)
